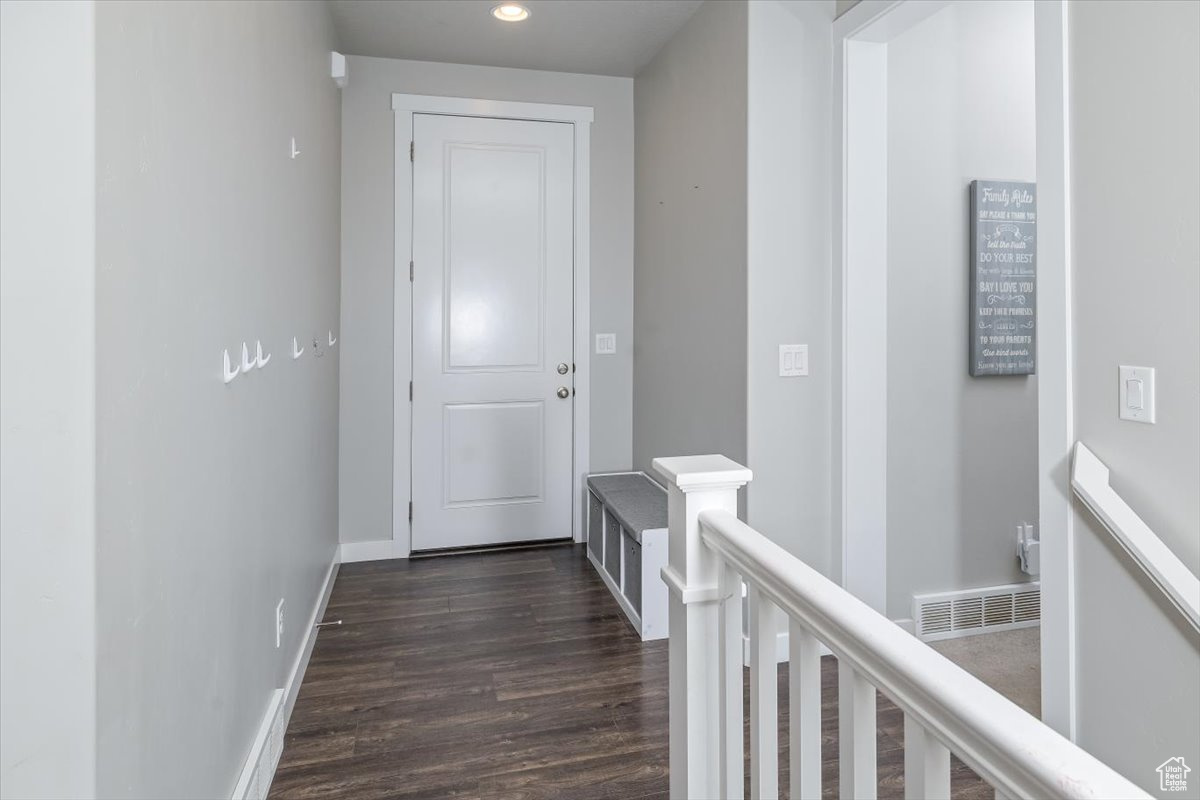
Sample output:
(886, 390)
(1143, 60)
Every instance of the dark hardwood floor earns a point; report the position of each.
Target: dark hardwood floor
(505, 675)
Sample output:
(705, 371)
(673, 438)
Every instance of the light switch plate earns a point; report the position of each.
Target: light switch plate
(606, 344)
(1135, 380)
(793, 360)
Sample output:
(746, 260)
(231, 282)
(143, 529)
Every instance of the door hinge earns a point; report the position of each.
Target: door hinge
(410, 510)
(410, 391)
(412, 150)
(410, 271)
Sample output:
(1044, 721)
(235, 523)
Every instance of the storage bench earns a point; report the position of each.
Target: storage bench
(627, 544)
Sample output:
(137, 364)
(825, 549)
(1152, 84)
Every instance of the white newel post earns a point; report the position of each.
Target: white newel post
(695, 484)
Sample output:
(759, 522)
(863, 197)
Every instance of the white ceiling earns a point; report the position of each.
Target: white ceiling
(601, 37)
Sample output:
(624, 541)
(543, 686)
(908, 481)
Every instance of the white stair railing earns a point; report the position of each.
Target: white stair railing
(1089, 479)
(945, 708)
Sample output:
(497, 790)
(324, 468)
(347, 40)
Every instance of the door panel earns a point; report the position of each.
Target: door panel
(493, 453)
(495, 276)
(493, 250)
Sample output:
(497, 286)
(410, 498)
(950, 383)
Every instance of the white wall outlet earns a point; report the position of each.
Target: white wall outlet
(1137, 394)
(606, 344)
(793, 360)
(279, 623)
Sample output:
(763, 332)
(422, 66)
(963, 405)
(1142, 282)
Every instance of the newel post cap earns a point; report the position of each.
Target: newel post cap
(700, 473)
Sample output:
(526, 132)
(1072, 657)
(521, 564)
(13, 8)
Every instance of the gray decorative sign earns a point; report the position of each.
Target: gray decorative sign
(1003, 277)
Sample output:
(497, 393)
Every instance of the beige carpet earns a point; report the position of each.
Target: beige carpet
(1008, 661)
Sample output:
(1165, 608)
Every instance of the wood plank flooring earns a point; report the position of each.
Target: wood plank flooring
(509, 675)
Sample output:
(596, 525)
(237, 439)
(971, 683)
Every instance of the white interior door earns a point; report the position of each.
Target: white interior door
(492, 330)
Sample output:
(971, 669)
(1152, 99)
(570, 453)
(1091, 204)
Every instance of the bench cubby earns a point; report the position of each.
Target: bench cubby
(627, 544)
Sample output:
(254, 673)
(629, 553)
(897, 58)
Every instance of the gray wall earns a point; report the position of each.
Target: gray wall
(788, 272)
(1136, 237)
(367, 258)
(47, 408)
(961, 451)
(214, 501)
(689, 365)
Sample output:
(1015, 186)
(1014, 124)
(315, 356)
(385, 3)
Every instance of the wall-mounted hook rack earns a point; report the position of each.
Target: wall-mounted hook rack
(259, 360)
(247, 362)
(295, 152)
(228, 373)
(332, 341)
(297, 350)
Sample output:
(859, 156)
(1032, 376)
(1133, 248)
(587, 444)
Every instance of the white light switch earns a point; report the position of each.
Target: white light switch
(1133, 395)
(606, 344)
(793, 360)
(1137, 394)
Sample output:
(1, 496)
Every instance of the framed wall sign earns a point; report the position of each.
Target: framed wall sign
(1003, 292)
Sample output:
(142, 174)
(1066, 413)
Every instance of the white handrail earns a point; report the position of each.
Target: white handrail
(1010, 749)
(1089, 479)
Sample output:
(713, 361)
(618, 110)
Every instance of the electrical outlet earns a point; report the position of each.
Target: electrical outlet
(279, 623)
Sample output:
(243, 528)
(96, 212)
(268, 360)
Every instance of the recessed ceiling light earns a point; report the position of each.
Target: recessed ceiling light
(510, 12)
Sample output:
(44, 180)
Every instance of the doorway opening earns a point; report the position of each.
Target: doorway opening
(936, 468)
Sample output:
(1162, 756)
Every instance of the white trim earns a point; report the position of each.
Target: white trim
(259, 767)
(296, 676)
(859, 429)
(1054, 360)
(256, 777)
(404, 106)
(502, 109)
(878, 21)
(378, 550)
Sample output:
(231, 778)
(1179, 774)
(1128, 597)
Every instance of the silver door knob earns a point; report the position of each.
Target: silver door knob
(562, 369)
(564, 392)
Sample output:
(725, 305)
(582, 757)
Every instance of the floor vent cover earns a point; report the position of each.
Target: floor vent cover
(947, 615)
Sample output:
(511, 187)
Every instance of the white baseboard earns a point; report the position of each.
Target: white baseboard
(296, 676)
(258, 772)
(781, 644)
(255, 781)
(380, 550)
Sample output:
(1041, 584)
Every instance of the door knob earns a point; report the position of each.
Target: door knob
(564, 392)
(562, 369)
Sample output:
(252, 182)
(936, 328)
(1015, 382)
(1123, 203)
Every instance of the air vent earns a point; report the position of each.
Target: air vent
(948, 615)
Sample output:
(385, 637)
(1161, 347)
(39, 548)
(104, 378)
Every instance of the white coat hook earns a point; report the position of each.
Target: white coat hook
(297, 350)
(259, 360)
(295, 152)
(229, 374)
(332, 341)
(247, 362)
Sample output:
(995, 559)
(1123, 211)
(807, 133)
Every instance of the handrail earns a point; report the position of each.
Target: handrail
(1089, 479)
(1010, 749)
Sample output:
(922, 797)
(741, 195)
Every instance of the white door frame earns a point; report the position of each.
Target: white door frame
(859, 447)
(404, 106)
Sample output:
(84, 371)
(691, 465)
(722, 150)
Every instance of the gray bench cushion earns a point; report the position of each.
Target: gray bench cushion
(637, 502)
